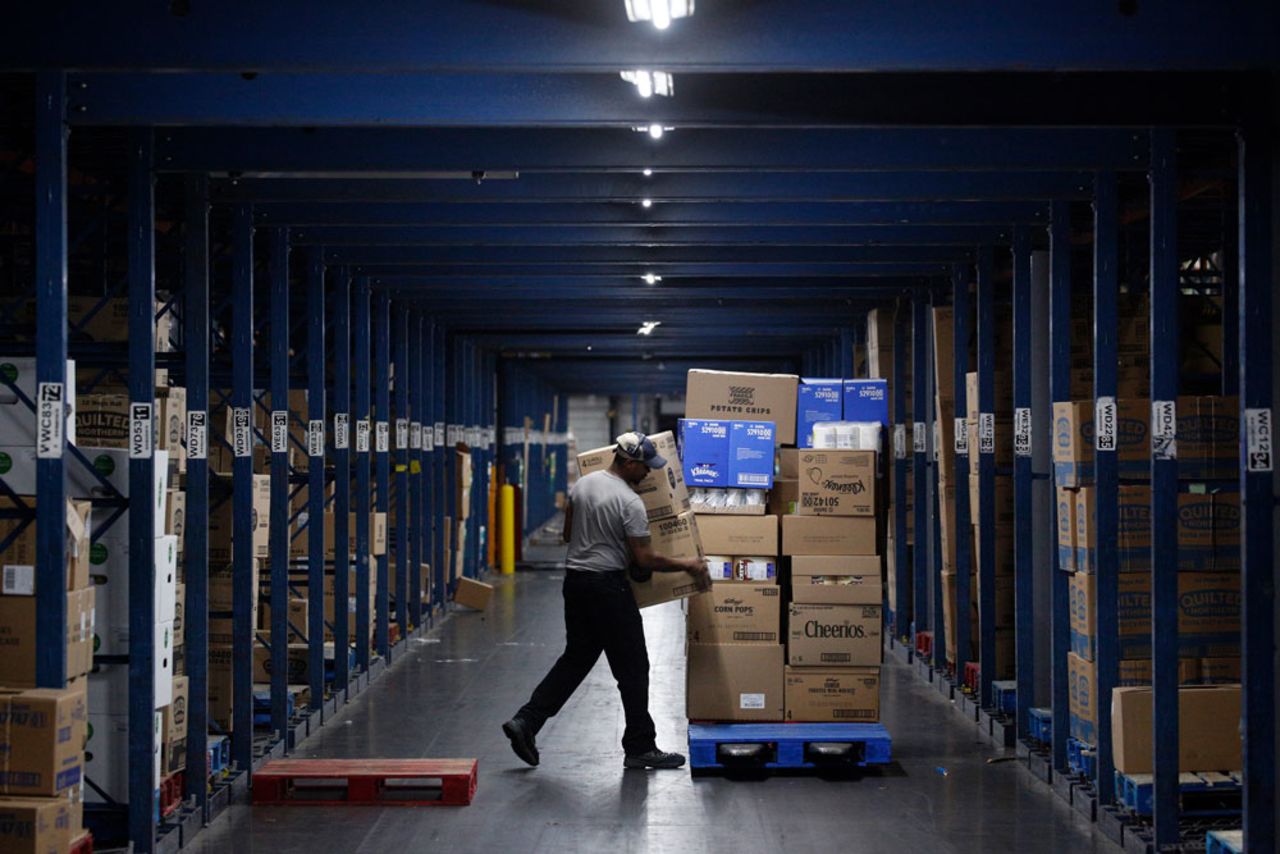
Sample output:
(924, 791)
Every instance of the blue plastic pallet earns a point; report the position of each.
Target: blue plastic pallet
(1004, 693)
(1040, 722)
(1082, 758)
(788, 742)
(1200, 794)
(1224, 842)
(219, 754)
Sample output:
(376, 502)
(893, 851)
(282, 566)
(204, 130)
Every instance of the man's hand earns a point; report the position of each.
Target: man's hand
(697, 567)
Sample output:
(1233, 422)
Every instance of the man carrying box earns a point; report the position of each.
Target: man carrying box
(607, 529)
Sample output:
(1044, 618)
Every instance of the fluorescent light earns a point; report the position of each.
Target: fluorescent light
(654, 130)
(646, 203)
(649, 83)
(647, 327)
(651, 278)
(648, 173)
(660, 12)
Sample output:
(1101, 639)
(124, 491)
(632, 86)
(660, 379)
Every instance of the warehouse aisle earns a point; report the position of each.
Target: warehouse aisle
(940, 795)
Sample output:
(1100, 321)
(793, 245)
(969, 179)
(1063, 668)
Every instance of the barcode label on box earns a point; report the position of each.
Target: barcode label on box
(986, 432)
(382, 437)
(279, 431)
(1104, 424)
(140, 431)
(402, 433)
(341, 431)
(197, 435)
(19, 580)
(1164, 430)
(1258, 438)
(315, 438)
(1022, 431)
(51, 420)
(962, 436)
(900, 441)
(362, 436)
(751, 701)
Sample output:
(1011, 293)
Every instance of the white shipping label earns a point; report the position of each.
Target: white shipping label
(986, 432)
(1022, 431)
(918, 437)
(241, 432)
(51, 420)
(962, 436)
(415, 435)
(382, 437)
(751, 701)
(1258, 439)
(19, 580)
(1164, 430)
(197, 435)
(900, 441)
(438, 430)
(140, 431)
(341, 431)
(1104, 424)
(402, 433)
(279, 431)
(315, 438)
(362, 436)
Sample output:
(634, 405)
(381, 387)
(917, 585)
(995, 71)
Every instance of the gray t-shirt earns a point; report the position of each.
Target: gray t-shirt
(605, 512)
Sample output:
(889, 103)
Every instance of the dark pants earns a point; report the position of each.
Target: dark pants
(600, 615)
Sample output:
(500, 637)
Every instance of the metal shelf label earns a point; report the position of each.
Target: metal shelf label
(415, 435)
(438, 430)
(1022, 431)
(241, 432)
(402, 433)
(918, 440)
(899, 441)
(341, 431)
(1164, 429)
(962, 436)
(986, 432)
(1258, 439)
(382, 437)
(141, 431)
(428, 438)
(362, 436)
(280, 431)
(315, 438)
(197, 435)
(1104, 424)
(51, 420)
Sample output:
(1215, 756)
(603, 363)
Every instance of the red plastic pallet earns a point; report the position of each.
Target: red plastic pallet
(171, 793)
(385, 782)
(924, 643)
(972, 675)
(82, 845)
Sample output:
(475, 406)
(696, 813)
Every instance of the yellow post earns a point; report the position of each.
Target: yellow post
(508, 529)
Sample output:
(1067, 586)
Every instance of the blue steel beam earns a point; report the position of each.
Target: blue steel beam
(986, 476)
(1165, 295)
(400, 270)
(668, 187)
(414, 604)
(878, 288)
(362, 415)
(242, 563)
(623, 212)
(1060, 392)
(439, 464)
(1256, 164)
(142, 498)
(403, 379)
(316, 371)
(903, 616)
(483, 258)
(342, 475)
(195, 316)
(1024, 602)
(459, 36)
(919, 463)
(278, 545)
(52, 398)
(381, 450)
(411, 152)
(961, 324)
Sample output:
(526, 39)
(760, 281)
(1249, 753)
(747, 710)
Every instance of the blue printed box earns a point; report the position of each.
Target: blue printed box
(817, 401)
(751, 445)
(727, 454)
(866, 400)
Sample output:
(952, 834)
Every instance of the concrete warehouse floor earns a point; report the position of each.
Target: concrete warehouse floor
(450, 696)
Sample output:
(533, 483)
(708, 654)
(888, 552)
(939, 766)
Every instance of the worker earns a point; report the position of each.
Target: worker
(607, 530)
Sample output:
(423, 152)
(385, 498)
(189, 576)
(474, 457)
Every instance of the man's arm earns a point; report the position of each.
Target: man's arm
(568, 521)
(650, 561)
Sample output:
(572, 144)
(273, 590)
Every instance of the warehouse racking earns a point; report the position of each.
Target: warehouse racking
(385, 298)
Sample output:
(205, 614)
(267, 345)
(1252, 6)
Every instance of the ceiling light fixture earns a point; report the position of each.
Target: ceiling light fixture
(660, 12)
(647, 327)
(648, 173)
(651, 278)
(646, 203)
(650, 83)
(654, 130)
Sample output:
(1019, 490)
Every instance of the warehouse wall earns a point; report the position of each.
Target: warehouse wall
(589, 421)
(534, 453)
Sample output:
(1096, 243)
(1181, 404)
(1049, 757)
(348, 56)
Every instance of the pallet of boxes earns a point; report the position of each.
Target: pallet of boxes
(788, 638)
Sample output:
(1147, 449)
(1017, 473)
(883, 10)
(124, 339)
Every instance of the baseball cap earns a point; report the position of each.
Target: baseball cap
(638, 447)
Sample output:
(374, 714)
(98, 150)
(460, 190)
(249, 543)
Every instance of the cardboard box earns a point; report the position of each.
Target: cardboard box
(18, 560)
(1208, 729)
(173, 728)
(729, 454)
(817, 400)
(828, 535)
(110, 567)
(784, 496)
(17, 420)
(836, 580)
(102, 421)
(1208, 530)
(663, 490)
(1220, 670)
(837, 483)
(866, 400)
(18, 637)
(175, 521)
(1208, 438)
(221, 687)
(734, 682)
(1082, 684)
(736, 613)
(221, 522)
(299, 663)
(37, 825)
(832, 695)
(42, 741)
(833, 635)
(739, 535)
(300, 541)
(673, 538)
(1065, 514)
(728, 394)
(1073, 440)
(108, 758)
(472, 593)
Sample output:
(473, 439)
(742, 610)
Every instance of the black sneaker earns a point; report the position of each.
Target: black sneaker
(654, 759)
(521, 740)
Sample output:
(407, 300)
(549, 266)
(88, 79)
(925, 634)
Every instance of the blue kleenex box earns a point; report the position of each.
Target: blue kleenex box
(704, 452)
(751, 445)
(816, 401)
(866, 400)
